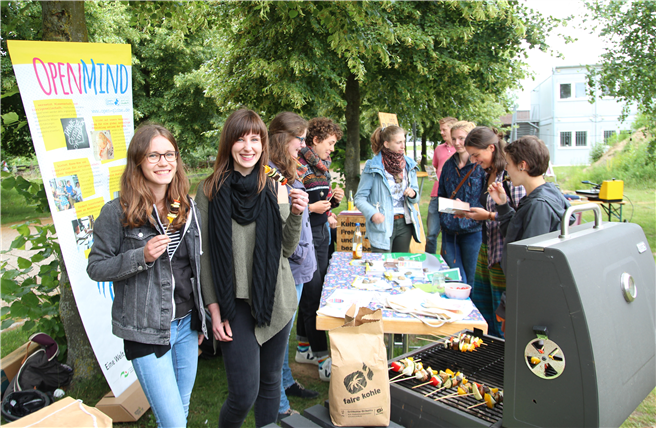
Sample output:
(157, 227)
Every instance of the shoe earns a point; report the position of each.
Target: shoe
(325, 368)
(306, 357)
(298, 390)
(286, 414)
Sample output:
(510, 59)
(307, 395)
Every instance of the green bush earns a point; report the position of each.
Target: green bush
(597, 152)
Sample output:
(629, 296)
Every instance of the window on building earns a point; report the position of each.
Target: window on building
(565, 139)
(580, 90)
(608, 135)
(581, 138)
(565, 91)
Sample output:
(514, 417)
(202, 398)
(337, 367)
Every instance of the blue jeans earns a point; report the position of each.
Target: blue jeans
(461, 251)
(287, 378)
(167, 381)
(432, 226)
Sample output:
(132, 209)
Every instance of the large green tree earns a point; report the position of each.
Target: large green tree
(348, 60)
(627, 69)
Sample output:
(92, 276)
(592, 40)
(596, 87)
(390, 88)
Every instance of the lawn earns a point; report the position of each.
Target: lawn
(211, 390)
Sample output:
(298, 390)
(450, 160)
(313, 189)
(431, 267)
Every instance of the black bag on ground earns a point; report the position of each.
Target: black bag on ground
(21, 403)
(41, 370)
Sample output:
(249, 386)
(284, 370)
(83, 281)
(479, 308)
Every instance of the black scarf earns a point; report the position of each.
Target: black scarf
(239, 199)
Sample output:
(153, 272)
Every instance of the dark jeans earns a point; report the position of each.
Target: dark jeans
(311, 297)
(252, 371)
(400, 239)
(461, 251)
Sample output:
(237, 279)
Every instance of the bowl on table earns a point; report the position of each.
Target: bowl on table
(457, 290)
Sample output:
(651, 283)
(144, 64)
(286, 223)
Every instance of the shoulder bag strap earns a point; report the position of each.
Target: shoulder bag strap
(453, 194)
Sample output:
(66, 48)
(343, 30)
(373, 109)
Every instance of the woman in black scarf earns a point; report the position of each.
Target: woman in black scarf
(250, 229)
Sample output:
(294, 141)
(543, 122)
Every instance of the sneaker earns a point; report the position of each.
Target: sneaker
(306, 357)
(298, 390)
(286, 414)
(325, 369)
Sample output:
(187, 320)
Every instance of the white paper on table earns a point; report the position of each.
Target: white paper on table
(419, 302)
(341, 300)
(377, 266)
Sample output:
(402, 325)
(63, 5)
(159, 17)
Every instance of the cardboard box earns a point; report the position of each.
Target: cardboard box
(346, 229)
(66, 412)
(128, 407)
(12, 362)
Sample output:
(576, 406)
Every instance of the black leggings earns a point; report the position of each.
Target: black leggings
(252, 371)
(311, 297)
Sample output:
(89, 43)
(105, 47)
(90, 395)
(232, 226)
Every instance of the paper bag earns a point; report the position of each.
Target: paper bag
(359, 383)
(66, 412)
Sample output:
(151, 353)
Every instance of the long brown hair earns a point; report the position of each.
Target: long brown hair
(283, 129)
(381, 135)
(238, 124)
(136, 198)
(481, 137)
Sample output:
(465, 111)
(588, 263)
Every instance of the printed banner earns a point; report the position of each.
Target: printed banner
(78, 101)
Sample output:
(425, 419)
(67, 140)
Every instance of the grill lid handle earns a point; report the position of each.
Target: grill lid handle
(564, 224)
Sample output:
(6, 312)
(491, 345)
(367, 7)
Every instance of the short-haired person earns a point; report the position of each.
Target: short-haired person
(321, 137)
(485, 147)
(250, 228)
(441, 154)
(540, 211)
(154, 265)
(387, 193)
(287, 132)
(461, 179)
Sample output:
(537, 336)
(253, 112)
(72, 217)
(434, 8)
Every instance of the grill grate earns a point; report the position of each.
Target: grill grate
(484, 365)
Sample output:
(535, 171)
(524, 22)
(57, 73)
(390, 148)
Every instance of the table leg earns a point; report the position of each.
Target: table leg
(390, 346)
(406, 343)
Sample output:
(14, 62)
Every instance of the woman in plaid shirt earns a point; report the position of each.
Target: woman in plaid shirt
(485, 147)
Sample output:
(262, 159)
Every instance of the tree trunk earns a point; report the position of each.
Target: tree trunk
(424, 149)
(352, 161)
(64, 21)
(80, 354)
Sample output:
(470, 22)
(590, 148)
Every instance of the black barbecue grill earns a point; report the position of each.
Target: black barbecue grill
(583, 304)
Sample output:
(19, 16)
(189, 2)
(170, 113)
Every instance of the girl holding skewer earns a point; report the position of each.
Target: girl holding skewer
(155, 266)
(251, 229)
(387, 193)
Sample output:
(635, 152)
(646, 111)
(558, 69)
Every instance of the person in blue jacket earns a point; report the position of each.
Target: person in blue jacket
(463, 180)
(387, 193)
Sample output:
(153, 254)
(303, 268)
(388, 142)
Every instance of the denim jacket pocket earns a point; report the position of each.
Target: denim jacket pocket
(138, 237)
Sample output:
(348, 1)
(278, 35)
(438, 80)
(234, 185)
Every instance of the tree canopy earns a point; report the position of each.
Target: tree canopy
(349, 60)
(627, 69)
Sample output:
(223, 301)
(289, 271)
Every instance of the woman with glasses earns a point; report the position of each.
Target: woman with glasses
(147, 242)
(252, 225)
(287, 133)
(485, 147)
(387, 193)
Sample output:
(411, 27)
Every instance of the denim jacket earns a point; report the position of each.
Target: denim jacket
(470, 191)
(373, 189)
(143, 305)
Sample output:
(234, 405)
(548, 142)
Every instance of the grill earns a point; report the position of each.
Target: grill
(586, 299)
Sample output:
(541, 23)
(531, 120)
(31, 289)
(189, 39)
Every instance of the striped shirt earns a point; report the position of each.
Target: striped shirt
(175, 241)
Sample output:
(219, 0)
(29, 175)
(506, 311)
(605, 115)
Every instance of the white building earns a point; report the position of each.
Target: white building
(568, 123)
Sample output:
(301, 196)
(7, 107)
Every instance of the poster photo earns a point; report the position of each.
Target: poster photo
(103, 149)
(78, 103)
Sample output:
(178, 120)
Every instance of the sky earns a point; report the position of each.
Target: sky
(586, 50)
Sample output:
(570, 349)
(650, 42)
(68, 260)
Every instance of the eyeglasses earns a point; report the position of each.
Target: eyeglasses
(156, 157)
(302, 139)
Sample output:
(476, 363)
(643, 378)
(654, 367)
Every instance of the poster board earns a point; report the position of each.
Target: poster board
(387, 119)
(346, 229)
(78, 102)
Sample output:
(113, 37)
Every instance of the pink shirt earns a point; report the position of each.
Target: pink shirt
(442, 153)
